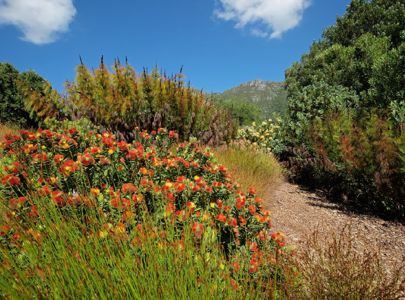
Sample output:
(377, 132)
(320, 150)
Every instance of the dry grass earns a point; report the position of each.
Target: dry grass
(7, 129)
(336, 270)
(250, 167)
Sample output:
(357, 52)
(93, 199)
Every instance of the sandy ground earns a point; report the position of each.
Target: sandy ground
(298, 213)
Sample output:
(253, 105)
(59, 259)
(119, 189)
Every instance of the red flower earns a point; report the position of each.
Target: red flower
(180, 187)
(170, 208)
(87, 160)
(57, 197)
(96, 150)
(108, 141)
(11, 180)
(234, 284)
(242, 221)
(4, 230)
(68, 167)
(254, 266)
(197, 229)
(258, 200)
(278, 238)
(221, 217)
(122, 145)
(252, 191)
(33, 212)
(58, 158)
(219, 203)
(253, 246)
(252, 209)
(240, 202)
(40, 157)
(262, 235)
(72, 131)
(236, 267)
(172, 134)
(16, 236)
(104, 160)
(232, 222)
(115, 202)
(129, 188)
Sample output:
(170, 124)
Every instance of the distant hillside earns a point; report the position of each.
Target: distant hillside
(259, 99)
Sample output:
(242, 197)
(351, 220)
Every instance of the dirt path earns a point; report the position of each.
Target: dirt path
(298, 213)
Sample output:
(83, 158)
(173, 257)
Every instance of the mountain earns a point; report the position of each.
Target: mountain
(256, 99)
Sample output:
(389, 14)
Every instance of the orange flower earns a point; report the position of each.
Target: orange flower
(4, 230)
(87, 160)
(11, 180)
(172, 134)
(242, 221)
(240, 202)
(122, 145)
(143, 171)
(221, 217)
(252, 191)
(234, 284)
(236, 267)
(108, 141)
(258, 200)
(252, 209)
(68, 167)
(58, 158)
(278, 238)
(180, 187)
(232, 222)
(197, 229)
(129, 188)
(104, 160)
(95, 150)
(34, 212)
(95, 191)
(219, 203)
(72, 131)
(40, 157)
(57, 197)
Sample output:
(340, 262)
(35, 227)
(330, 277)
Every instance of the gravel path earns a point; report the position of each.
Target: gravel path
(298, 213)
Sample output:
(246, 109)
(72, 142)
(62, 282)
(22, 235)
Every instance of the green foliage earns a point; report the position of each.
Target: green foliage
(266, 96)
(346, 114)
(122, 100)
(159, 218)
(12, 102)
(268, 135)
(244, 112)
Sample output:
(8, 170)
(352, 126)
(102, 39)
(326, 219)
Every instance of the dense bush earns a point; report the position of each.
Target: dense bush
(346, 114)
(243, 112)
(12, 89)
(120, 182)
(123, 100)
(267, 135)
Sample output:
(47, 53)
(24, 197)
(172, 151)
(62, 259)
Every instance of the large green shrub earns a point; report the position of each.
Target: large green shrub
(346, 114)
(12, 103)
(123, 100)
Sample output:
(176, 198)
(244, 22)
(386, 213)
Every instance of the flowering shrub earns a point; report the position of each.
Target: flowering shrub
(266, 135)
(175, 184)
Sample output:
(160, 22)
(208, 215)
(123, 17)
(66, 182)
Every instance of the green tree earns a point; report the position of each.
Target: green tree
(12, 104)
(346, 106)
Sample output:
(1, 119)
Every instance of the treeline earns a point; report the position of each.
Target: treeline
(346, 119)
(122, 100)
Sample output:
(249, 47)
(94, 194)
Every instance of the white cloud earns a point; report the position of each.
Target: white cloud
(41, 21)
(263, 18)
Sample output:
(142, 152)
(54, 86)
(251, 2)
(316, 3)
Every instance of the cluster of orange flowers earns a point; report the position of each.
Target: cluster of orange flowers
(177, 183)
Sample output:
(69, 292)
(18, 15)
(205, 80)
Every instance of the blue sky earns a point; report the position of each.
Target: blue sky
(220, 43)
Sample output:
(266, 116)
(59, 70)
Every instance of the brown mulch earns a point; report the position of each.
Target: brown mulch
(298, 213)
